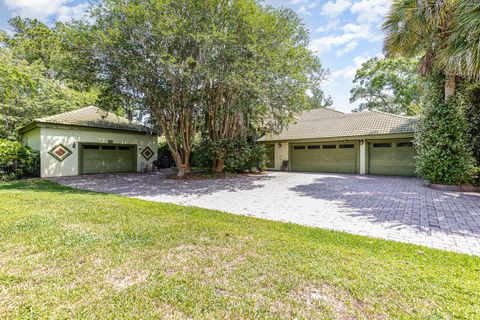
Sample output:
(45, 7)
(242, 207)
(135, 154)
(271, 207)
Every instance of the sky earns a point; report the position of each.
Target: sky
(343, 33)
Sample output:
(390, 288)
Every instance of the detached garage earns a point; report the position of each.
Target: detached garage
(325, 140)
(90, 140)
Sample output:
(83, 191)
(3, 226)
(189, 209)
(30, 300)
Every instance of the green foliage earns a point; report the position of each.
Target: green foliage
(445, 34)
(389, 85)
(34, 41)
(240, 155)
(469, 100)
(231, 69)
(26, 93)
(17, 160)
(444, 155)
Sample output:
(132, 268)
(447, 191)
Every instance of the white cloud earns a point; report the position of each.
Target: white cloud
(370, 11)
(334, 8)
(42, 9)
(306, 6)
(348, 48)
(66, 13)
(329, 26)
(350, 33)
(349, 71)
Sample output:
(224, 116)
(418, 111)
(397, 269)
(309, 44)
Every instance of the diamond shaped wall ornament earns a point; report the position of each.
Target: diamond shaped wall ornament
(147, 153)
(60, 152)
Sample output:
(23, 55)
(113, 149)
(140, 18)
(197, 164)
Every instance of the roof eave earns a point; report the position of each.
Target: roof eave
(37, 124)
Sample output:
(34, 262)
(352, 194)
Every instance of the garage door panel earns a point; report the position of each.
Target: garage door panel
(106, 159)
(324, 157)
(394, 158)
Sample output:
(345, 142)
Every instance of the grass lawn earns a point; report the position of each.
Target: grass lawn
(66, 253)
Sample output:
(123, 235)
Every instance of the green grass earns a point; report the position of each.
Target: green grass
(66, 253)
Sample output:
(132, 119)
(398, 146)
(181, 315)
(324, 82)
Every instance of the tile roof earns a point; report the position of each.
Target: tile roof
(327, 123)
(94, 117)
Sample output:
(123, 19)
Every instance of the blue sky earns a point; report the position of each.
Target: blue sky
(343, 33)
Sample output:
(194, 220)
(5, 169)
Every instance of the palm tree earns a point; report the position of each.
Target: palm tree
(422, 28)
(462, 50)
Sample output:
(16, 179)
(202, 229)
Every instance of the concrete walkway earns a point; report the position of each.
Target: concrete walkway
(395, 208)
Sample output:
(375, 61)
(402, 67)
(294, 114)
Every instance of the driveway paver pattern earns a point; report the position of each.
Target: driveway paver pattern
(395, 208)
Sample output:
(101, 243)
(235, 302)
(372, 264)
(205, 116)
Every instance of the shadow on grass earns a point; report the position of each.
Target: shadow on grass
(43, 185)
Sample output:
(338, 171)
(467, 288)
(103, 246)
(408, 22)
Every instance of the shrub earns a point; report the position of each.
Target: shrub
(17, 161)
(239, 155)
(444, 155)
(469, 98)
(200, 156)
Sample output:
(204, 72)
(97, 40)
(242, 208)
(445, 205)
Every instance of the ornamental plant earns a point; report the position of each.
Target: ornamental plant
(443, 153)
(17, 160)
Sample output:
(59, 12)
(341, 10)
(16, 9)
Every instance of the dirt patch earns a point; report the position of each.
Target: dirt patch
(339, 302)
(123, 278)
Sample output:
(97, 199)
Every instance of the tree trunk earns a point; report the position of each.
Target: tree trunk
(450, 85)
(219, 166)
(183, 169)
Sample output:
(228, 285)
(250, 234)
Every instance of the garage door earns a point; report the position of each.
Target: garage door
(392, 158)
(325, 157)
(100, 159)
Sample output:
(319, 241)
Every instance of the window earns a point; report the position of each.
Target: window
(109, 148)
(405, 144)
(91, 147)
(124, 148)
(346, 146)
(329, 146)
(298, 147)
(382, 145)
(313, 147)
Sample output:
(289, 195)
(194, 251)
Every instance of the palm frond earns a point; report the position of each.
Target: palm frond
(461, 53)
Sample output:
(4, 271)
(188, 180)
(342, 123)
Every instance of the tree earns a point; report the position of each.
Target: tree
(26, 93)
(232, 67)
(318, 99)
(256, 81)
(389, 85)
(444, 155)
(443, 33)
(462, 50)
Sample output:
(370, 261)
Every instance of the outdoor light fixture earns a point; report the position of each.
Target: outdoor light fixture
(362, 142)
(279, 145)
(74, 145)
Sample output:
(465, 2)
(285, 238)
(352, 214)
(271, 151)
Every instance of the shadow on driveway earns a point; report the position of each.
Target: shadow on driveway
(398, 201)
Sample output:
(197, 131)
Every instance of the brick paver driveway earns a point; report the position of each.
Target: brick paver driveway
(394, 208)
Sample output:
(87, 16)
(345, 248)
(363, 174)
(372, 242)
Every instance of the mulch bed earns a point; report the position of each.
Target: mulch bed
(202, 175)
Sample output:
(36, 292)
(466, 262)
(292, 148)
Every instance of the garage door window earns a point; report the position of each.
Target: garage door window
(313, 147)
(382, 145)
(346, 146)
(405, 144)
(329, 146)
(298, 147)
(91, 147)
(109, 148)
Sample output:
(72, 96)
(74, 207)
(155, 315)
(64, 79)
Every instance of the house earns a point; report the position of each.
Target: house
(90, 140)
(325, 140)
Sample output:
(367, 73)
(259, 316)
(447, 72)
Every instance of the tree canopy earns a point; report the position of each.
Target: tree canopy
(389, 85)
(27, 93)
(230, 69)
(444, 34)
